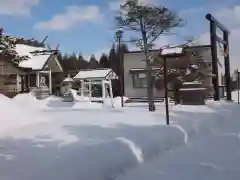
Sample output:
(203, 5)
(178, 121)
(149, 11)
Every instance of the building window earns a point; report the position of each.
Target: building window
(139, 80)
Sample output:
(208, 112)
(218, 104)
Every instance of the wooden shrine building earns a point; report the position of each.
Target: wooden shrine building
(91, 77)
(32, 73)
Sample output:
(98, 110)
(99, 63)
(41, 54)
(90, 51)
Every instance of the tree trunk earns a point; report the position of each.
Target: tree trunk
(151, 104)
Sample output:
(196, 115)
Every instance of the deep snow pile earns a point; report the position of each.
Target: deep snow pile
(107, 101)
(213, 154)
(53, 102)
(29, 100)
(235, 95)
(103, 143)
(15, 115)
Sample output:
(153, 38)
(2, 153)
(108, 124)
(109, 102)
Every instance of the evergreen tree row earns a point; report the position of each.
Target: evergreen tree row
(74, 62)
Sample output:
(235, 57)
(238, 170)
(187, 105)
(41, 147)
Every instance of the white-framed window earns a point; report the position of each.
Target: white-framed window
(139, 80)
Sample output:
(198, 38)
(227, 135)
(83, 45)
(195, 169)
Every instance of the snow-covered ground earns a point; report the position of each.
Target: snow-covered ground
(53, 140)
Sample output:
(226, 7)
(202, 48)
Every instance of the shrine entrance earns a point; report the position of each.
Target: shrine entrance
(102, 77)
(214, 39)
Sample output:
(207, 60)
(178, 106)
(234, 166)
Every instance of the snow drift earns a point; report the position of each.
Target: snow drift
(213, 154)
(130, 143)
(15, 115)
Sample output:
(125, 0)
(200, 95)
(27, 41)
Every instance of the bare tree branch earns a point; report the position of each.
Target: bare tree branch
(154, 20)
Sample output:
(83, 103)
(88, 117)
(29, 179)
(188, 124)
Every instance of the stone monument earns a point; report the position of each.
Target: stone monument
(67, 93)
(42, 91)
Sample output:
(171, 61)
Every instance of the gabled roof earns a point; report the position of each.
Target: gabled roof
(38, 57)
(95, 74)
(36, 52)
(35, 61)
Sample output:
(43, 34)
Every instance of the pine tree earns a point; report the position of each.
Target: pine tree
(114, 65)
(59, 56)
(112, 58)
(147, 22)
(65, 56)
(72, 60)
(123, 50)
(104, 62)
(93, 63)
(82, 63)
(65, 63)
(8, 48)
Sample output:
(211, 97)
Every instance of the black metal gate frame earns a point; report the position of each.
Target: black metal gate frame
(214, 39)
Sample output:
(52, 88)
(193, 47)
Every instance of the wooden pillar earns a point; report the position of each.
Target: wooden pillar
(103, 91)
(82, 88)
(22, 84)
(50, 81)
(227, 67)
(90, 90)
(29, 82)
(215, 81)
(111, 94)
(26, 78)
(37, 78)
(18, 81)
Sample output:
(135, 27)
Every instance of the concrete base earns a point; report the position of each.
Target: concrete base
(68, 97)
(41, 92)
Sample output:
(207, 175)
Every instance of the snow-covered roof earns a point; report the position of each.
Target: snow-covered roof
(68, 79)
(96, 74)
(35, 62)
(25, 50)
(175, 50)
(192, 89)
(144, 69)
(193, 82)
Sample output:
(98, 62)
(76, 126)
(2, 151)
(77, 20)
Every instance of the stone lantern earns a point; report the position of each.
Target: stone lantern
(66, 89)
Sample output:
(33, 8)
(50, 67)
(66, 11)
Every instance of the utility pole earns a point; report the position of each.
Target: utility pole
(166, 90)
(119, 33)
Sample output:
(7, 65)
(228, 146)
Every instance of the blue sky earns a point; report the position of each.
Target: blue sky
(89, 28)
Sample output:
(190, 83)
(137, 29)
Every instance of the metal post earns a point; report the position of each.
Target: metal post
(119, 33)
(121, 70)
(227, 67)
(214, 60)
(50, 81)
(166, 90)
(149, 75)
(37, 79)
